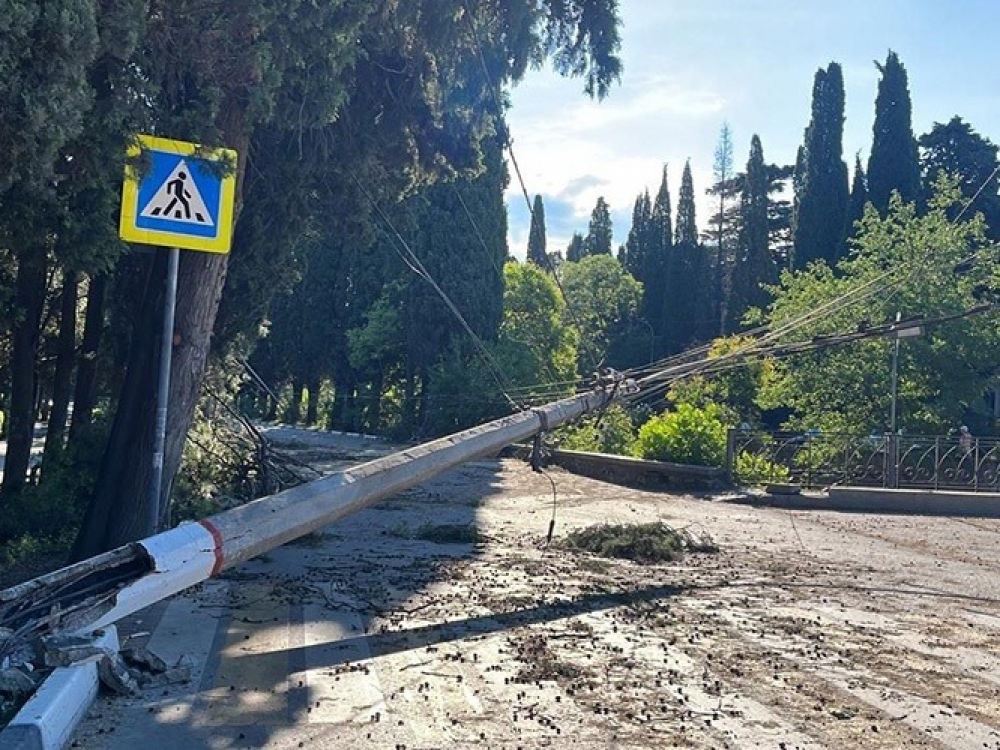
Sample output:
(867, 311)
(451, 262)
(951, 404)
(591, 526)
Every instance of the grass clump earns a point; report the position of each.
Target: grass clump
(645, 542)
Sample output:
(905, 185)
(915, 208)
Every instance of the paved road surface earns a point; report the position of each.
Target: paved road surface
(807, 630)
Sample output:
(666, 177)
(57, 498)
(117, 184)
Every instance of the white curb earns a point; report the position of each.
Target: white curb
(50, 717)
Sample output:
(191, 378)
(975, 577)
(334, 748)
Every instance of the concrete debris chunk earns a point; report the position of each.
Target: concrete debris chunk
(68, 650)
(142, 658)
(178, 674)
(115, 675)
(15, 683)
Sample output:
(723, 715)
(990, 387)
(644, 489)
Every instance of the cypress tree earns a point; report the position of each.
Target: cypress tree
(687, 298)
(687, 229)
(661, 244)
(536, 238)
(821, 179)
(859, 197)
(754, 264)
(636, 248)
(893, 164)
(599, 235)
(575, 250)
(662, 216)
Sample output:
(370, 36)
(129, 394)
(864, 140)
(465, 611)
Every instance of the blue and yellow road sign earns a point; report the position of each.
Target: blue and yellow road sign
(181, 198)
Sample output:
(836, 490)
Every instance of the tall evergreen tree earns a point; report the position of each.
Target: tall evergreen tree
(859, 197)
(722, 225)
(576, 249)
(956, 149)
(754, 263)
(893, 163)
(536, 237)
(687, 228)
(636, 247)
(821, 195)
(599, 234)
(687, 316)
(297, 70)
(658, 265)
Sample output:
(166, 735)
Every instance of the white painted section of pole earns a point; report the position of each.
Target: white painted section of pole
(163, 388)
(50, 717)
(193, 552)
(181, 557)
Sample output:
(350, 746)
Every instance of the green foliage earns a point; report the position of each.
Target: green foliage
(893, 164)
(753, 263)
(610, 431)
(599, 234)
(958, 150)
(821, 181)
(734, 391)
(220, 467)
(534, 328)
(536, 237)
(601, 299)
(46, 50)
(753, 469)
(913, 259)
(646, 542)
(687, 226)
(686, 435)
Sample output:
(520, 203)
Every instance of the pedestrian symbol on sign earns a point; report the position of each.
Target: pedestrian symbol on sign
(178, 199)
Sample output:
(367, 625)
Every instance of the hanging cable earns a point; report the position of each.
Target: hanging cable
(410, 259)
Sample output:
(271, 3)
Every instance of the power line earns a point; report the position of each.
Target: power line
(413, 262)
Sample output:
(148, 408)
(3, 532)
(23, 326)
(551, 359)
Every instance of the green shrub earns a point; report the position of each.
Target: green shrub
(687, 435)
(753, 469)
(610, 432)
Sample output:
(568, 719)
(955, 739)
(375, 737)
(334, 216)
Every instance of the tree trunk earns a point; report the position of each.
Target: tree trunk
(62, 381)
(312, 405)
(336, 419)
(373, 416)
(119, 509)
(85, 393)
(294, 411)
(29, 301)
(122, 481)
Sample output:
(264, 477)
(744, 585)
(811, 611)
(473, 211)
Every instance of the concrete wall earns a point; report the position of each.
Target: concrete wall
(878, 500)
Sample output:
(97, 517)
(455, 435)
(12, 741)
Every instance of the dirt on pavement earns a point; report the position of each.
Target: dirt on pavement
(400, 628)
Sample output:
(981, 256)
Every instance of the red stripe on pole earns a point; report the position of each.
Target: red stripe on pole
(217, 551)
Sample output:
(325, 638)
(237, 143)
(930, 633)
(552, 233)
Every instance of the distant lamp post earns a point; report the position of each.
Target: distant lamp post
(909, 329)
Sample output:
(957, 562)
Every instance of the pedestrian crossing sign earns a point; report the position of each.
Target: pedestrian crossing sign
(180, 196)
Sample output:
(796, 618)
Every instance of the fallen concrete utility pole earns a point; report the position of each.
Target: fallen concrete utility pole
(103, 589)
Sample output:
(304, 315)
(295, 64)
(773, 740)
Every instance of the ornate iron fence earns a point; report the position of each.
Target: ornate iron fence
(816, 460)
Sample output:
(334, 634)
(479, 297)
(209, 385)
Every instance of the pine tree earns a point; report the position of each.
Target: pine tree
(599, 234)
(536, 237)
(859, 197)
(893, 164)
(821, 185)
(754, 263)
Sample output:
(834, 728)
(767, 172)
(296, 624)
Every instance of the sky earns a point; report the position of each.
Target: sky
(692, 65)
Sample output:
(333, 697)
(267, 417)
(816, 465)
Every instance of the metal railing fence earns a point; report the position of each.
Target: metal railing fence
(815, 460)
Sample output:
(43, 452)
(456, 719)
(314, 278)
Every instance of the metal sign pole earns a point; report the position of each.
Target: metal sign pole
(163, 389)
